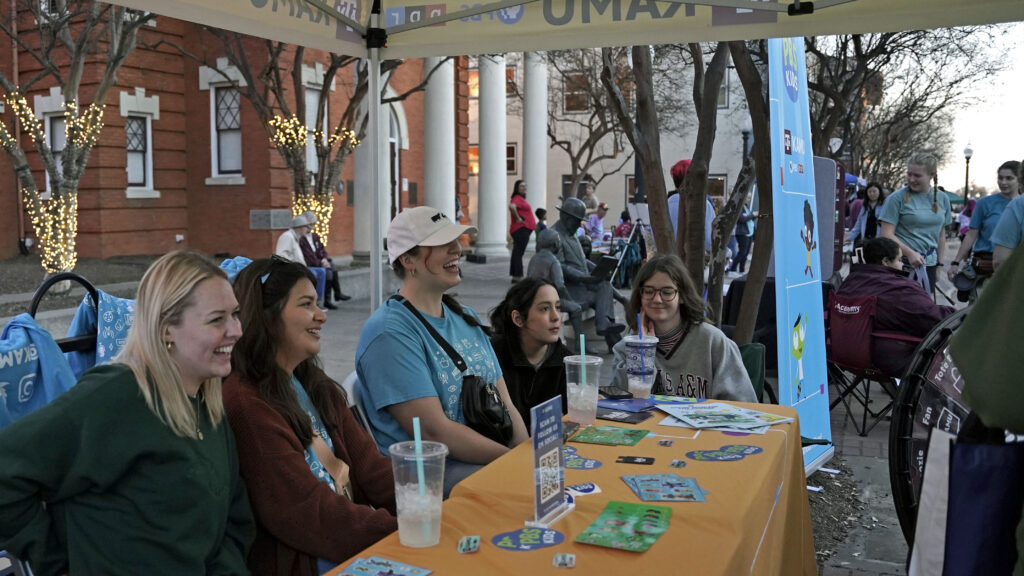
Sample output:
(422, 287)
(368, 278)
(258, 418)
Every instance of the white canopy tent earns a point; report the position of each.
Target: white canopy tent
(452, 27)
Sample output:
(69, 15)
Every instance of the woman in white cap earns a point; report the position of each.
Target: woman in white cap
(404, 372)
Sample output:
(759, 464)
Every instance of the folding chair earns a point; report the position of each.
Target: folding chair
(753, 360)
(849, 336)
(349, 386)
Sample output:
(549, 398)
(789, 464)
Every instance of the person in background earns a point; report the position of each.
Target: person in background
(595, 223)
(868, 217)
(694, 358)
(523, 225)
(1009, 232)
(678, 173)
(987, 214)
(404, 372)
(854, 207)
(963, 219)
(590, 200)
(315, 255)
(320, 490)
(916, 215)
(527, 327)
(625, 227)
(901, 305)
(134, 470)
(744, 236)
(542, 219)
(289, 247)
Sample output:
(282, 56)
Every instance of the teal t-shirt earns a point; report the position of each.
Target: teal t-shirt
(1010, 229)
(985, 218)
(917, 225)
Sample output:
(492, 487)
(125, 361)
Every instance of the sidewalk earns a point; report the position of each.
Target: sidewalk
(875, 544)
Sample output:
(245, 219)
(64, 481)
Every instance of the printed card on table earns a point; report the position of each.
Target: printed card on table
(626, 526)
(377, 566)
(609, 436)
(712, 414)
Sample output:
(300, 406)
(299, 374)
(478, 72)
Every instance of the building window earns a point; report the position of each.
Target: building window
(511, 90)
(473, 83)
(312, 104)
(723, 92)
(56, 138)
(510, 158)
(227, 130)
(717, 185)
(630, 189)
(581, 189)
(575, 92)
(140, 165)
(474, 159)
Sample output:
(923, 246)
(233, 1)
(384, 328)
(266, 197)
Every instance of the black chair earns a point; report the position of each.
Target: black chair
(80, 343)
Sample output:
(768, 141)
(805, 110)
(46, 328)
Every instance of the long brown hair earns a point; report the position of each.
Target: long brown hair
(262, 289)
(692, 308)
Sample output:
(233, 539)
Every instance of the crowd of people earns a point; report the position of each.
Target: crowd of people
(216, 443)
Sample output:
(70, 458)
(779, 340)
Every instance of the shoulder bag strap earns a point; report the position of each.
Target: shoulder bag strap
(455, 356)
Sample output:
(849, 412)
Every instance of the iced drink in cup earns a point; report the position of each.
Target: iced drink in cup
(640, 370)
(419, 510)
(582, 374)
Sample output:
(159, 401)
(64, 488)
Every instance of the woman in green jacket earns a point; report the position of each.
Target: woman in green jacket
(134, 470)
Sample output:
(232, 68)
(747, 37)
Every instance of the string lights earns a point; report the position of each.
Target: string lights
(56, 224)
(291, 136)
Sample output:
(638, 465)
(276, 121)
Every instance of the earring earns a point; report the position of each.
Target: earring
(170, 346)
(413, 271)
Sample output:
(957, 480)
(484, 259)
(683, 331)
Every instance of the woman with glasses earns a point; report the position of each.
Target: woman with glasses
(694, 358)
(320, 490)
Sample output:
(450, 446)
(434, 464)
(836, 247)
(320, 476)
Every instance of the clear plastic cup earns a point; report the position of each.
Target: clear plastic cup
(419, 514)
(640, 369)
(582, 393)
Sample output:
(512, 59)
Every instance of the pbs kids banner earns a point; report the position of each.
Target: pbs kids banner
(801, 327)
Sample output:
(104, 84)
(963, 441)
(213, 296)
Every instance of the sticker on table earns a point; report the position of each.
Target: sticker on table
(528, 539)
(584, 489)
(574, 461)
(375, 565)
(729, 453)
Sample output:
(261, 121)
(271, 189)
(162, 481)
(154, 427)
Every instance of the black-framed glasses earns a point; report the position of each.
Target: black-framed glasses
(667, 294)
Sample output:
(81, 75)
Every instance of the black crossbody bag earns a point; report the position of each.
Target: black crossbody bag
(481, 405)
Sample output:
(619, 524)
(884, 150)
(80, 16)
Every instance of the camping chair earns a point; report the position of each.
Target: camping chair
(352, 399)
(849, 337)
(753, 360)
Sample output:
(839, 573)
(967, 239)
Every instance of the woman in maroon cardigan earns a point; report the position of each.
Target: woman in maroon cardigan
(319, 488)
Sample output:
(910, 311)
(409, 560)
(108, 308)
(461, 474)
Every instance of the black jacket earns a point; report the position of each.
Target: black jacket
(527, 386)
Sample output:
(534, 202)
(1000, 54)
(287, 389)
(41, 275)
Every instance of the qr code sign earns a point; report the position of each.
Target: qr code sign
(550, 478)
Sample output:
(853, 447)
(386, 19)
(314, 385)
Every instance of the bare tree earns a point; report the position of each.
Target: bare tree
(62, 37)
(723, 228)
(275, 86)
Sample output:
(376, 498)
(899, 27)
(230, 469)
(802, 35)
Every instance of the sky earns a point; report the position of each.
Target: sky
(994, 126)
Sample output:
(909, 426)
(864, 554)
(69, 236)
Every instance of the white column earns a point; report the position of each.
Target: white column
(535, 133)
(362, 209)
(439, 137)
(493, 198)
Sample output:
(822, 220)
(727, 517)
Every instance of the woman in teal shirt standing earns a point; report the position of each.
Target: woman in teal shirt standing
(916, 215)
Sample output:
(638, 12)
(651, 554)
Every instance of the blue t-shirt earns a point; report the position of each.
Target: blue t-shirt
(1010, 229)
(397, 360)
(917, 225)
(985, 218)
(709, 218)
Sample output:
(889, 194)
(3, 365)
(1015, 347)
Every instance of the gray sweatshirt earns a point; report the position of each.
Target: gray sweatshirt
(704, 364)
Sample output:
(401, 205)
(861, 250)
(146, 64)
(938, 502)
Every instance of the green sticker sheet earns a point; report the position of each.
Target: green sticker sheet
(609, 436)
(626, 526)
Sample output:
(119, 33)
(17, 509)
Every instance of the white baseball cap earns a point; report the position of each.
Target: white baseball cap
(421, 226)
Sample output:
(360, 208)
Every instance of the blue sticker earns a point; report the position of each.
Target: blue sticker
(727, 453)
(528, 539)
(733, 433)
(579, 463)
(587, 488)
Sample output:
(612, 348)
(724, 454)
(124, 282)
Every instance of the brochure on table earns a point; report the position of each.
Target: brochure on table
(798, 302)
(549, 502)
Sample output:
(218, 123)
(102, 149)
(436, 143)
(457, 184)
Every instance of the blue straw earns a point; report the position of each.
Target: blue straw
(419, 454)
(640, 324)
(583, 357)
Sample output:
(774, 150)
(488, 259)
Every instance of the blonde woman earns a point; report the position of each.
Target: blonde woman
(916, 215)
(134, 470)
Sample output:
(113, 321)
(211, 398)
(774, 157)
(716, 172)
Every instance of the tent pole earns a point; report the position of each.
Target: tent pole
(377, 171)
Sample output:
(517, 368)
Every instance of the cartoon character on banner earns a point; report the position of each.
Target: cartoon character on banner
(807, 235)
(799, 334)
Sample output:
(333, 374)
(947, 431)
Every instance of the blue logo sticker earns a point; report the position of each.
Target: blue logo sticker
(728, 453)
(511, 15)
(528, 539)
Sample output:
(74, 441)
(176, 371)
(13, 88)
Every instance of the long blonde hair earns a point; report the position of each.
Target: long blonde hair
(930, 165)
(164, 293)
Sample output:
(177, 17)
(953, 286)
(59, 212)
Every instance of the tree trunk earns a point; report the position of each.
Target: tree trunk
(694, 192)
(764, 236)
(724, 226)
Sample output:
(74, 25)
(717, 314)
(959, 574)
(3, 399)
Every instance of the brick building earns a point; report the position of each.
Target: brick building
(166, 174)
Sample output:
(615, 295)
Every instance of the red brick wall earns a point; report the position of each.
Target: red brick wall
(462, 133)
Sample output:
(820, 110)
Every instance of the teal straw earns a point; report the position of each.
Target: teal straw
(640, 324)
(419, 454)
(583, 357)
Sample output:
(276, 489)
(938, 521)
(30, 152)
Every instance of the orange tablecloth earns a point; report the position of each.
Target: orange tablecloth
(756, 519)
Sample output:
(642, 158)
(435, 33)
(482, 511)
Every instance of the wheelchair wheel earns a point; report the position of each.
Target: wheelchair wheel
(929, 397)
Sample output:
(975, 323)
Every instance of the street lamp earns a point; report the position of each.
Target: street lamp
(745, 129)
(968, 152)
